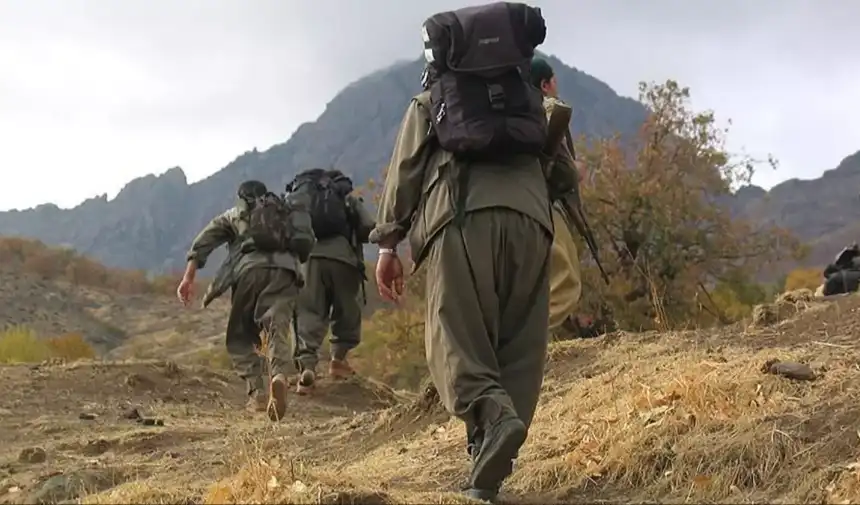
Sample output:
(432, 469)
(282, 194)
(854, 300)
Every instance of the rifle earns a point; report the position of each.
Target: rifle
(557, 129)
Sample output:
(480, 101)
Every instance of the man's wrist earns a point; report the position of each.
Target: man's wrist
(391, 251)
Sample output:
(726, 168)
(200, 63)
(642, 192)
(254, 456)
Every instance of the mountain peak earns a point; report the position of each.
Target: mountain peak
(153, 218)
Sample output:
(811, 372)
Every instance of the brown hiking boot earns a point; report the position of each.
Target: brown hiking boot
(257, 402)
(306, 382)
(340, 369)
(277, 406)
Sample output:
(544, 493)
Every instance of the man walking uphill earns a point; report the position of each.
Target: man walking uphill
(266, 238)
(334, 275)
(473, 202)
(565, 285)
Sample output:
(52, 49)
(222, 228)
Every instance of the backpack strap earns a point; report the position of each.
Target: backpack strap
(458, 177)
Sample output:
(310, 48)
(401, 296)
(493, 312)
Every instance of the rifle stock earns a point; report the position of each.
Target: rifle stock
(557, 128)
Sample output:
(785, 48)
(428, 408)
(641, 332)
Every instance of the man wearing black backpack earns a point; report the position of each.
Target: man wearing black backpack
(466, 186)
(334, 274)
(267, 237)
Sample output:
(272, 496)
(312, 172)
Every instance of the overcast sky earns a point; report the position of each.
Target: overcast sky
(96, 92)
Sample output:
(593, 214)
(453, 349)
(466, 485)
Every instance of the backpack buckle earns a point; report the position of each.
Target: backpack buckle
(496, 94)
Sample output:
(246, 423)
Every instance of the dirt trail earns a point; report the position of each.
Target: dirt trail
(672, 417)
(84, 420)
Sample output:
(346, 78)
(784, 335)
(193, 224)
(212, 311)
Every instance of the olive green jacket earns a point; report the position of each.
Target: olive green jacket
(416, 201)
(227, 228)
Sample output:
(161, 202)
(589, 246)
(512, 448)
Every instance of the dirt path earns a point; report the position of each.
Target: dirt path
(673, 417)
(112, 423)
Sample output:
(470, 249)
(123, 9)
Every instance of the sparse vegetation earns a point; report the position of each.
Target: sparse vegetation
(804, 278)
(215, 357)
(62, 264)
(21, 345)
(71, 346)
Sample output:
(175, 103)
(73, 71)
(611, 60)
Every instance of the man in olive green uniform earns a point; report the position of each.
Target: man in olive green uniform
(565, 285)
(487, 284)
(333, 295)
(263, 287)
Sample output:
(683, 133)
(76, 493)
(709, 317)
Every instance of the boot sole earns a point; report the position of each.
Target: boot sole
(306, 383)
(497, 463)
(277, 400)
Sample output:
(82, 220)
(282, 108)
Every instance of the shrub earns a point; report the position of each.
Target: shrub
(71, 346)
(20, 345)
(34, 257)
(392, 348)
(215, 357)
(803, 278)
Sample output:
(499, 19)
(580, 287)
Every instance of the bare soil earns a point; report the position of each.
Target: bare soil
(672, 417)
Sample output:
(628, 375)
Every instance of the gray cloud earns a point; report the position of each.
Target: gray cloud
(140, 85)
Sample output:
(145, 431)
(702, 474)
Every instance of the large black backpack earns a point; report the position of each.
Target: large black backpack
(483, 104)
(327, 191)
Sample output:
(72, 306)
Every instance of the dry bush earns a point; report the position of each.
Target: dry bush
(803, 278)
(21, 345)
(392, 348)
(70, 346)
(63, 264)
(215, 357)
(149, 491)
(786, 306)
(666, 235)
(392, 338)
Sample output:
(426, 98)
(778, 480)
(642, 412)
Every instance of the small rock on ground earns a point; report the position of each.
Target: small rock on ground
(32, 455)
(789, 370)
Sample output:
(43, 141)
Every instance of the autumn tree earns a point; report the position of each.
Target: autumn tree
(661, 212)
(804, 278)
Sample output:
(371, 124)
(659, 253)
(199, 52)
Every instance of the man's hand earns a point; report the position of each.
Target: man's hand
(389, 276)
(185, 291)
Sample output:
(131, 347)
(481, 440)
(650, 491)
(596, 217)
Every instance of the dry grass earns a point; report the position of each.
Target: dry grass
(668, 417)
(658, 417)
(786, 306)
(21, 345)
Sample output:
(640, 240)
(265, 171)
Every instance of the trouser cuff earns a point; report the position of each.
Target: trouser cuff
(255, 384)
(339, 352)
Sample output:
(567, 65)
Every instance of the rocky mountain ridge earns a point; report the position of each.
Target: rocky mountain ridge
(153, 219)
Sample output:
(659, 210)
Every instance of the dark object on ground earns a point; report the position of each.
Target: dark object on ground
(150, 421)
(86, 416)
(789, 369)
(132, 413)
(32, 455)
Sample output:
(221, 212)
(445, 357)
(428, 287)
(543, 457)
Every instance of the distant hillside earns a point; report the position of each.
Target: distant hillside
(151, 222)
(823, 212)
